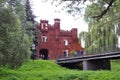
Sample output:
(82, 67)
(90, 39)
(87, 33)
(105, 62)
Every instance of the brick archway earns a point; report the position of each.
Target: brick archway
(44, 53)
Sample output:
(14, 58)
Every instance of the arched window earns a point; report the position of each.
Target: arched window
(44, 38)
(65, 42)
(42, 26)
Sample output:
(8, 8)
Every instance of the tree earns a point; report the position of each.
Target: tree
(29, 13)
(15, 40)
(76, 7)
(103, 32)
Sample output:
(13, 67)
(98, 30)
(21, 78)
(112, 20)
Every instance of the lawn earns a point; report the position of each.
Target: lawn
(48, 70)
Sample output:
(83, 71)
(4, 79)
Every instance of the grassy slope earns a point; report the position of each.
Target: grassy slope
(48, 70)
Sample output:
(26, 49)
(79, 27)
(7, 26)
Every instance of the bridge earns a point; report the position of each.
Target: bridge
(95, 61)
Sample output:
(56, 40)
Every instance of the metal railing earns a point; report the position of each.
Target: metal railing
(94, 51)
(104, 49)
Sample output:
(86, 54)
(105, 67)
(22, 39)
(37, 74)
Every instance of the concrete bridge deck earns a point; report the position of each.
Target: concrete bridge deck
(111, 55)
(90, 62)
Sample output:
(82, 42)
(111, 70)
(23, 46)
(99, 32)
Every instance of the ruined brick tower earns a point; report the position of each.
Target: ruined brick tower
(54, 42)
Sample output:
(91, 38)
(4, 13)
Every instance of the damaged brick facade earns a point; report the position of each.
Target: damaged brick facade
(54, 42)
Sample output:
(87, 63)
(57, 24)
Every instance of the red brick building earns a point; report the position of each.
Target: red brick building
(54, 42)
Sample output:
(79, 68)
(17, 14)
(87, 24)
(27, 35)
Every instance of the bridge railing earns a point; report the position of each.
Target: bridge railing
(94, 51)
(103, 50)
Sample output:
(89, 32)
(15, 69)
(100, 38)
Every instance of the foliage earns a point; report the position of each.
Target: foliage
(76, 8)
(102, 34)
(28, 10)
(48, 70)
(14, 41)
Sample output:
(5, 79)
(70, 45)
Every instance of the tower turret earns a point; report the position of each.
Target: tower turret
(57, 23)
(43, 25)
(74, 33)
(57, 26)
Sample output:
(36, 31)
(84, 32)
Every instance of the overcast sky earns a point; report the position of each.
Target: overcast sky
(46, 11)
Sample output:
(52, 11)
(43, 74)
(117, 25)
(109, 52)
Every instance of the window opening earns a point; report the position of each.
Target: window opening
(44, 39)
(65, 42)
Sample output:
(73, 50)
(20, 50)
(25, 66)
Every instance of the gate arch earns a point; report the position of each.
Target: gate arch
(44, 53)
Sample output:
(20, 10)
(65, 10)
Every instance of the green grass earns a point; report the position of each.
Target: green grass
(48, 70)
